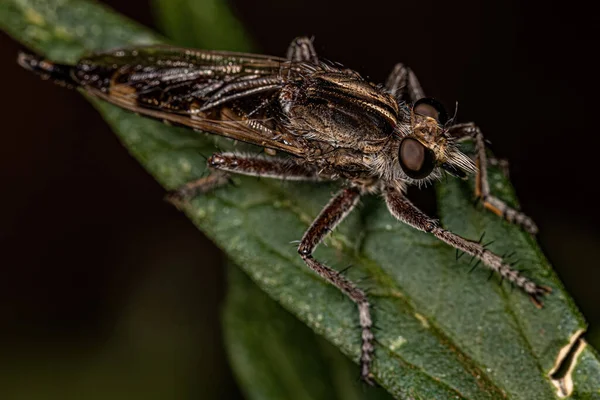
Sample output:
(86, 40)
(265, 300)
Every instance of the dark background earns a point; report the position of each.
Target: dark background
(93, 259)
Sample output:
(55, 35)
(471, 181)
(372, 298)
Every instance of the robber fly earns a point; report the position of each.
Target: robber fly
(333, 124)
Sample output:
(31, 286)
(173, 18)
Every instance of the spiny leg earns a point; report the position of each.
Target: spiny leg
(482, 186)
(335, 211)
(403, 83)
(254, 165)
(194, 188)
(262, 166)
(405, 211)
(301, 49)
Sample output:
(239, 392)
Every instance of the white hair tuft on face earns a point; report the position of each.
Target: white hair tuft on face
(461, 161)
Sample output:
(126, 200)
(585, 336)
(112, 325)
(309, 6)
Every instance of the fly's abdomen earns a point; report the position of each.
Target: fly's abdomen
(59, 73)
(114, 81)
(177, 85)
(137, 86)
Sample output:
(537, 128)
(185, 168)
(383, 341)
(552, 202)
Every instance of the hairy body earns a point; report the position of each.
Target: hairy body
(332, 124)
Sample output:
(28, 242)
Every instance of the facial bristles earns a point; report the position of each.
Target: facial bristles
(461, 161)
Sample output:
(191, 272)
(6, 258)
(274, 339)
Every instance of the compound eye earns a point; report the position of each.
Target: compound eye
(416, 160)
(429, 107)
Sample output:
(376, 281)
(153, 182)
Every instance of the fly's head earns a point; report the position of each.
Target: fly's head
(425, 147)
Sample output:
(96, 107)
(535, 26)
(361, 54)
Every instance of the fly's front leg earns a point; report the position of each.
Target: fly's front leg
(500, 163)
(405, 211)
(301, 49)
(482, 186)
(337, 209)
(224, 163)
(403, 83)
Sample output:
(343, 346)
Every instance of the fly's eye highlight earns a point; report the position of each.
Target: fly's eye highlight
(429, 107)
(416, 160)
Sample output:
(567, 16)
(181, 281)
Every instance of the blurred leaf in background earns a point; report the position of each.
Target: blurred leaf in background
(202, 24)
(442, 333)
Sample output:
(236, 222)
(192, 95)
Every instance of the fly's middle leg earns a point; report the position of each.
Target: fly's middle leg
(337, 209)
(482, 186)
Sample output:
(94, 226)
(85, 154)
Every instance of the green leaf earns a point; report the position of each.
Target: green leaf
(443, 333)
(275, 356)
(203, 24)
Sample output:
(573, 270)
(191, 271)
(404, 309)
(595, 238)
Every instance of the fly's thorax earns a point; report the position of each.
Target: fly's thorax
(339, 108)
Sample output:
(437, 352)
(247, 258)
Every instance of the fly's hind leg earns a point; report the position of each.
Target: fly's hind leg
(222, 164)
(195, 188)
(482, 186)
(337, 209)
(302, 50)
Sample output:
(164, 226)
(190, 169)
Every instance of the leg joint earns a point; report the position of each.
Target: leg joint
(216, 160)
(430, 226)
(304, 250)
